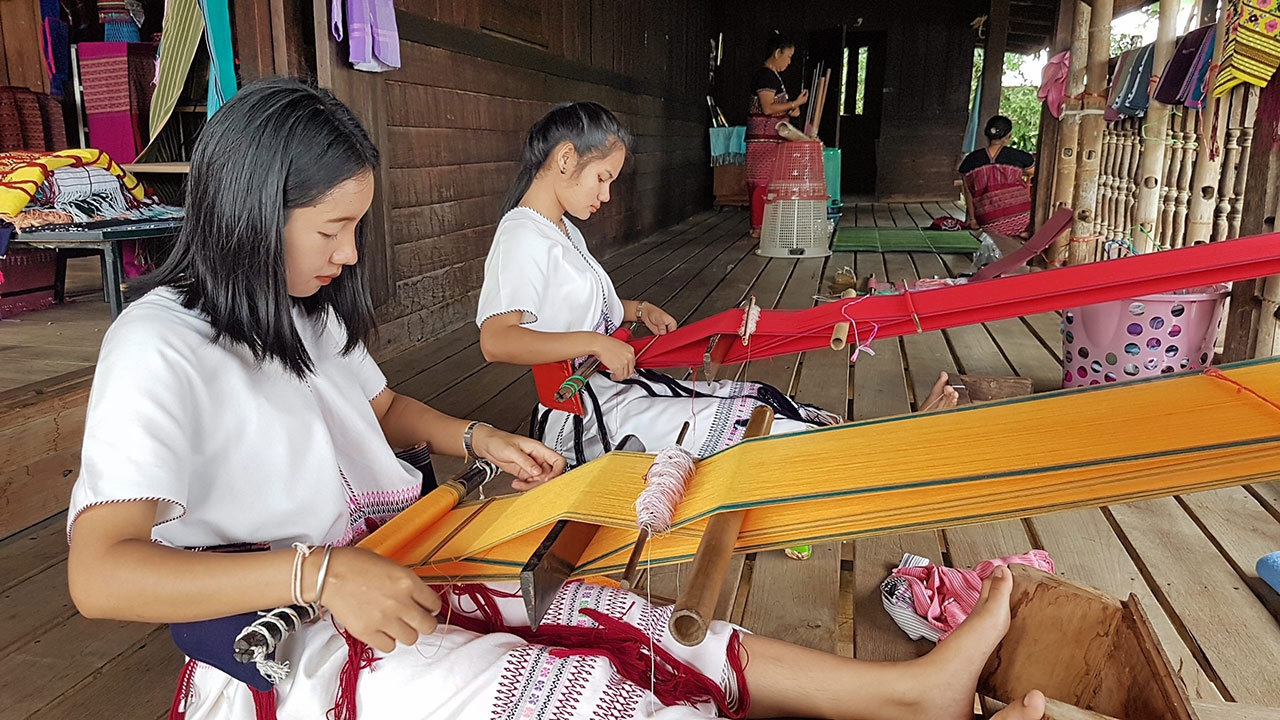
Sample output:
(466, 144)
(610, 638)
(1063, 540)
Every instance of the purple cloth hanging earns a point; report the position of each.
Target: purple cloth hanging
(372, 36)
(1174, 77)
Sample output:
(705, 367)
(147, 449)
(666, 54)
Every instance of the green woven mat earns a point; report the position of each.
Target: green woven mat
(869, 239)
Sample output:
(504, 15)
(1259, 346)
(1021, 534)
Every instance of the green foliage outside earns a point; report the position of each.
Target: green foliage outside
(1018, 103)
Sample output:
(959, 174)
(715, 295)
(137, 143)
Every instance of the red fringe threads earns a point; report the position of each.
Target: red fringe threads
(625, 645)
(264, 703)
(359, 657)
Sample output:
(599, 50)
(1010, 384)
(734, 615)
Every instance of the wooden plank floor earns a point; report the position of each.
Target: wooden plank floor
(39, 345)
(1189, 559)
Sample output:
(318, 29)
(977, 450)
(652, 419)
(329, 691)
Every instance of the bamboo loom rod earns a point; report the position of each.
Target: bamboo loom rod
(696, 607)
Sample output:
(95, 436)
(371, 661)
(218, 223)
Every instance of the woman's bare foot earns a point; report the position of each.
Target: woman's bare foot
(1031, 708)
(755, 233)
(953, 667)
(941, 397)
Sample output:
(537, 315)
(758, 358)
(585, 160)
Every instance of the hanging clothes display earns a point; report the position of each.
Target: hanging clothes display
(222, 61)
(372, 36)
(1177, 78)
(179, 38)
(1053, 83)
(1123, 64)
(56, 36)
(1251, 49)
(1135, 94)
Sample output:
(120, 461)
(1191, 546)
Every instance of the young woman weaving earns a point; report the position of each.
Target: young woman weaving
(546, 299)
(235, 406)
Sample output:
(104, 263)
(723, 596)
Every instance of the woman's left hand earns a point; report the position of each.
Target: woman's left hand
(795, 112)
(531, 462)
(658, 321)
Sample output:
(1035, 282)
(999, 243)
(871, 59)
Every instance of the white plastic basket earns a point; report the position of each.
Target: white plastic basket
(795, 229)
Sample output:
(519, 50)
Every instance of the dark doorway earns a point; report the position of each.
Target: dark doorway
(859, 100)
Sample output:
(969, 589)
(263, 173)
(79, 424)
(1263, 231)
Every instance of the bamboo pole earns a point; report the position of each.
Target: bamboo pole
(1085, 198)
(1050, 126)
(1212, 132)
(1069, 127)
(1155, 133)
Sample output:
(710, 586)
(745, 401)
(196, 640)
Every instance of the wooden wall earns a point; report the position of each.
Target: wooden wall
(21, 60)
(928, 73)
(451, 122)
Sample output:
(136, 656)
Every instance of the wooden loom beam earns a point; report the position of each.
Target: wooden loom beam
(696, 605)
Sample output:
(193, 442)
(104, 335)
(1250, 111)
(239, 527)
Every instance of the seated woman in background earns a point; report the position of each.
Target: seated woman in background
(235, 406)
(546, 299)
(997, 183)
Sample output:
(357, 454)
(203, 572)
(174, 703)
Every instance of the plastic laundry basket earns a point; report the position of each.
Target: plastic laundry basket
(1141, 337)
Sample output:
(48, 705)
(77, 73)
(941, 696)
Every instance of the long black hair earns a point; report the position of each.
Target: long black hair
(278, 145)
(589, 127)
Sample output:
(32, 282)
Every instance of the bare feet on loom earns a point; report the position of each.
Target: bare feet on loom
(941, 397)
(953, 667)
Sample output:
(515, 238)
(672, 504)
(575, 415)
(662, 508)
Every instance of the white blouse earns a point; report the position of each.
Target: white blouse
(550, 277)
(236, 452)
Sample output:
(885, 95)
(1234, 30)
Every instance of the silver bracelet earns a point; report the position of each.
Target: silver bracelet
(324, 571)
(640, 311)
(467, 449)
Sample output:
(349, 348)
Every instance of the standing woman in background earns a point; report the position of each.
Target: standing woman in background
(769, 106)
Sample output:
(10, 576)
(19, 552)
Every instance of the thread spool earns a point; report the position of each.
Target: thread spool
(665, 484)
(840, 335)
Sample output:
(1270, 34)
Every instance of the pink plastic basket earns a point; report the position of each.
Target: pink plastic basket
(1141, 337)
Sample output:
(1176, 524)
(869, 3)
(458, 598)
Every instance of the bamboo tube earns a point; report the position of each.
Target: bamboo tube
(1204, 182)
(696, 607)
(1069, 128)
(840, 336)
(1155, 132)
(1085, 199)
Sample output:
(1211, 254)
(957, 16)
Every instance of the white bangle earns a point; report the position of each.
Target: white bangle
(324, 571)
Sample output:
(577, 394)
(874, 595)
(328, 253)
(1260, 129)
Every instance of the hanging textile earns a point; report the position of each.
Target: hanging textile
(1197, 85)
(372, 36)
(222, 61)
(1135, 96)
(1251, 50)
(1176, 80)
(56, 35)
(104, 74)
(1124, 64)
(1053, 83)
(119, 23)
(973, 129)
(180, 36)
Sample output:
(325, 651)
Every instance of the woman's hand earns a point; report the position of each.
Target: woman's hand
(658, 321)
(802, 98)
(616, 355)
(795, 112)
(377, 600)
(531, 462)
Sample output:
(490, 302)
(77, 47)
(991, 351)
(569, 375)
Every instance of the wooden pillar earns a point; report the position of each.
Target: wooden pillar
(1251, 319)
(993, 60)
(1204, 179)
(1150, 168)
(1069, 126)
(1085, 197)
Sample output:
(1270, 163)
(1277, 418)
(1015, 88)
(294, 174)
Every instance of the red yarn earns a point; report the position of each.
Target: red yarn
(1217, 374)
(359, 657)
(178, 708)
(264, 704)
(626, 646)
